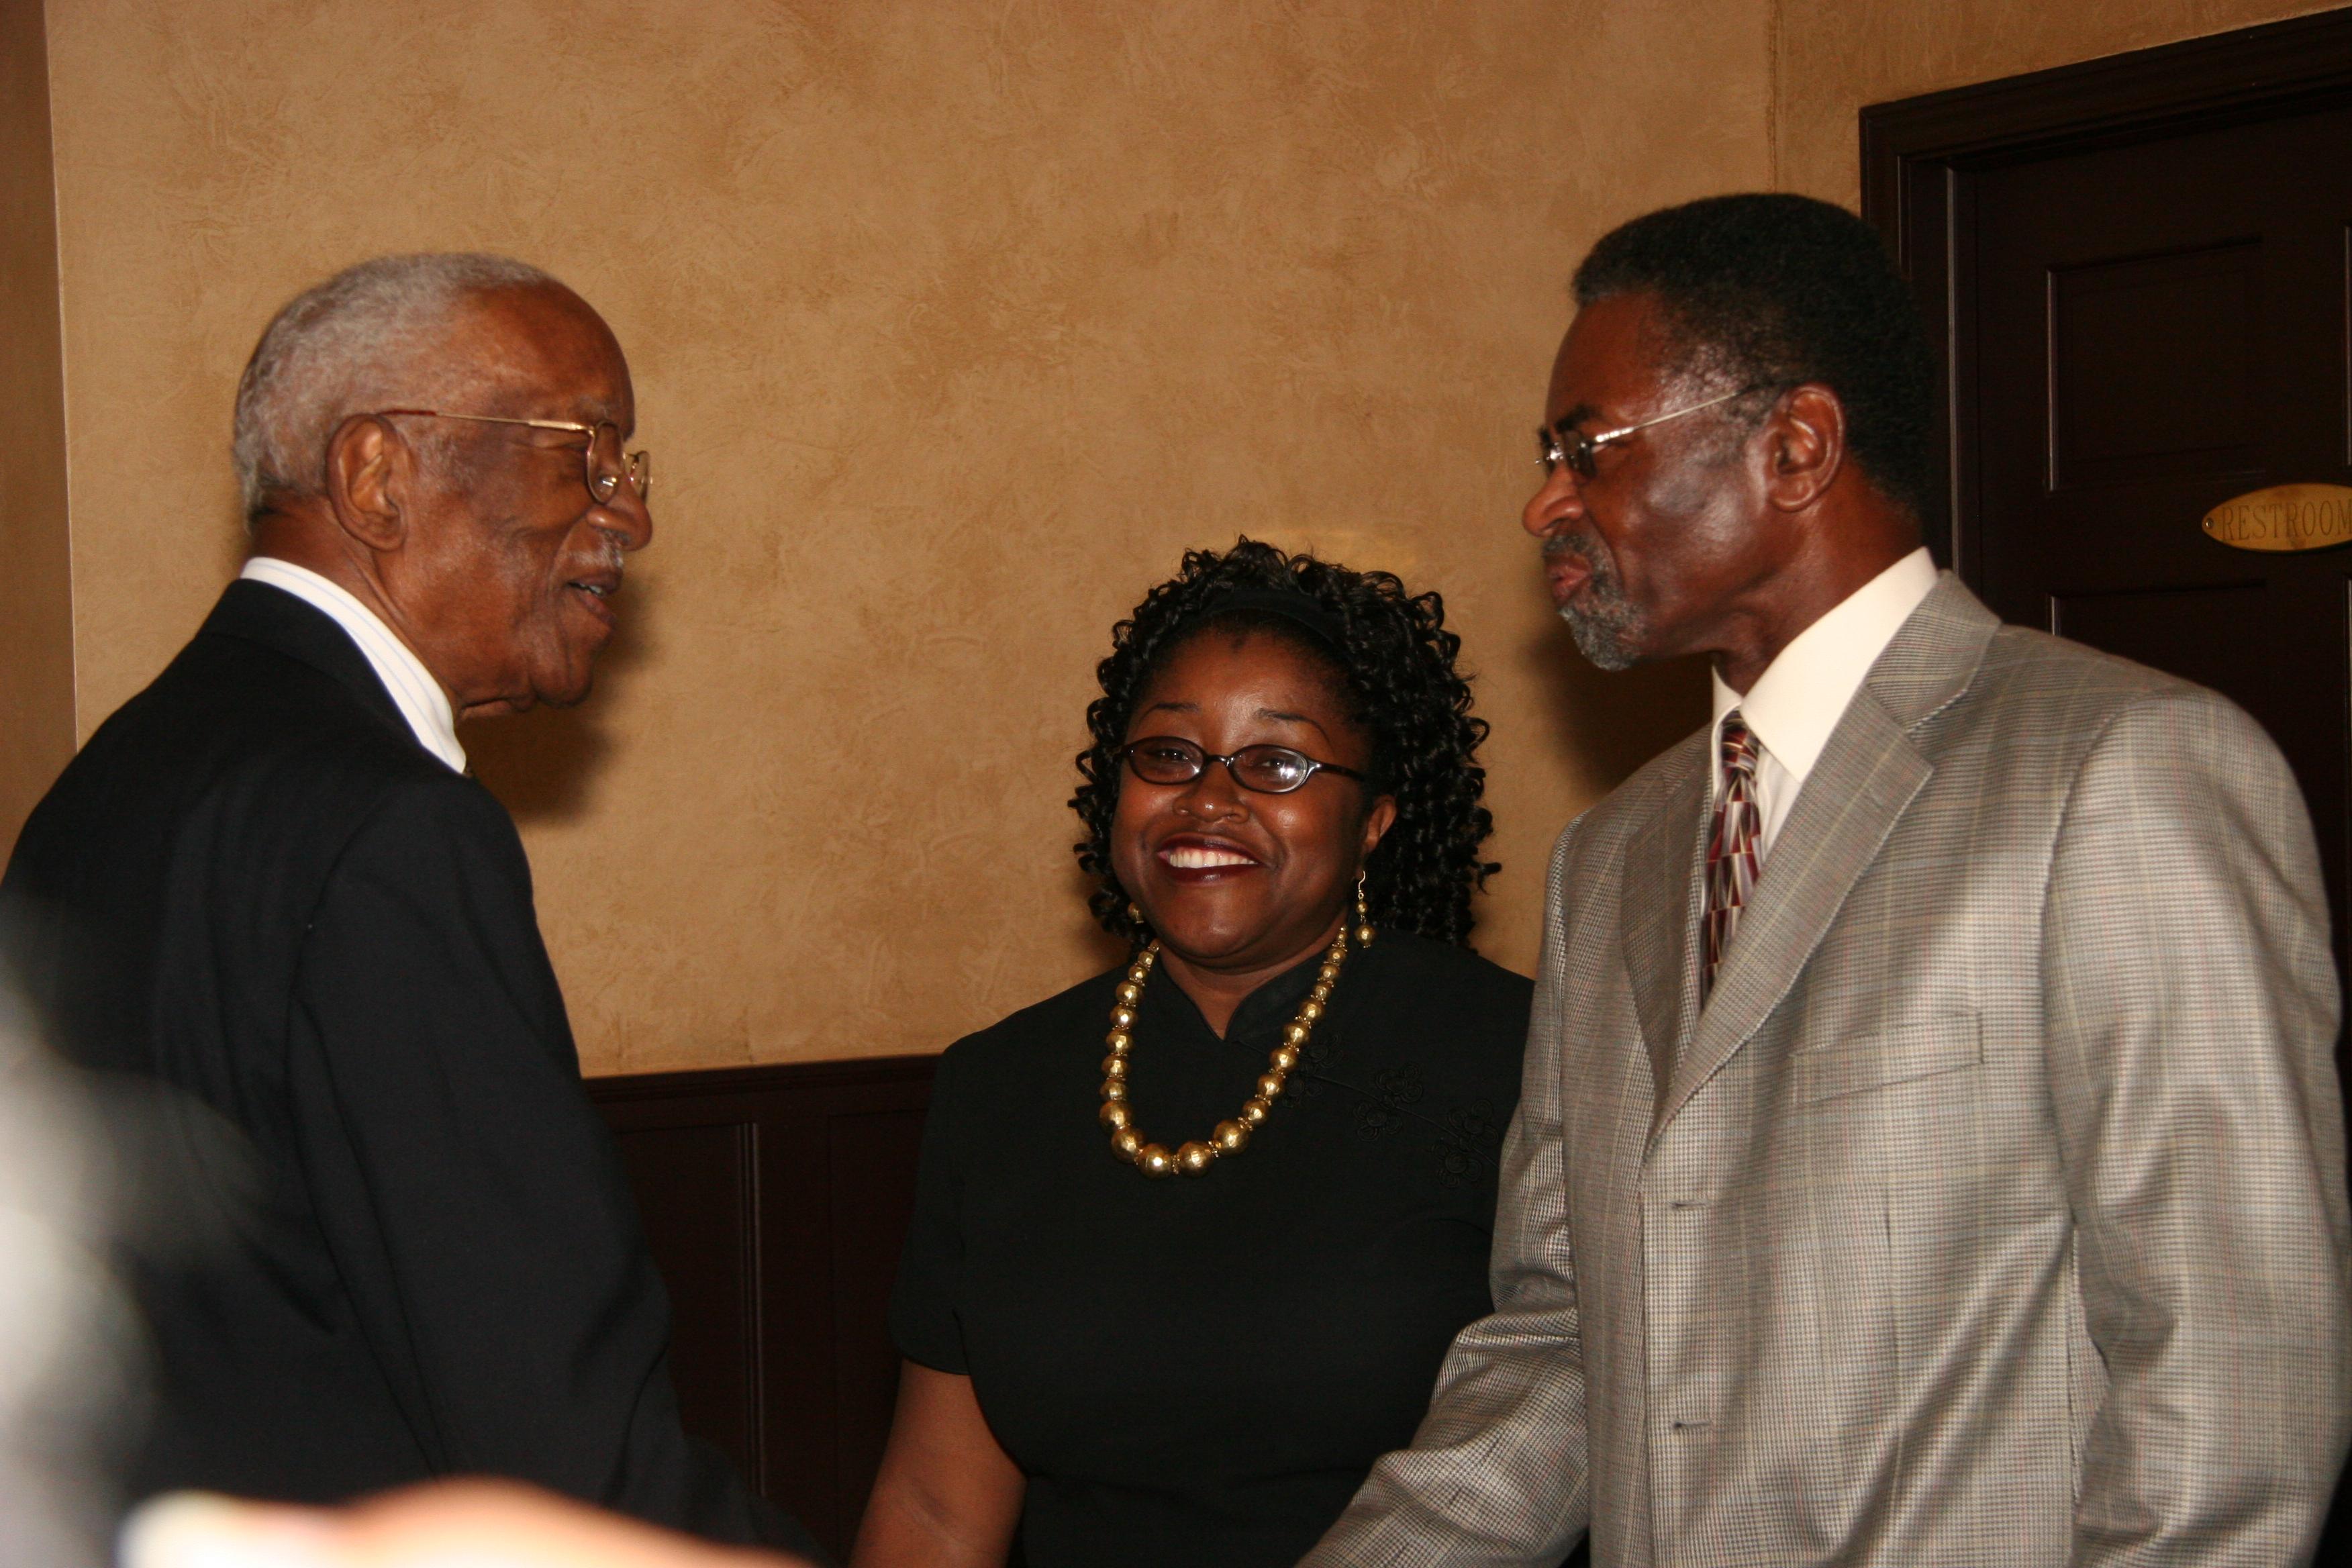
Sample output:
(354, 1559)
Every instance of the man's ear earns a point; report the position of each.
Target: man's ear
(1804, 447)
(369, 471)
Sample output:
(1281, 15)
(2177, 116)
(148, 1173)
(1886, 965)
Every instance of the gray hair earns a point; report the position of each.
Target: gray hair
(362, 340)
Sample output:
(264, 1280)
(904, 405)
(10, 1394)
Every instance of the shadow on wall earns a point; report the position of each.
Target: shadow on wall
(1616, 719)
(543, 765)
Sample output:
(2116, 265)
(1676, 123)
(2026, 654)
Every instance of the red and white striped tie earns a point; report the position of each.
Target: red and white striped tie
(1732, 848)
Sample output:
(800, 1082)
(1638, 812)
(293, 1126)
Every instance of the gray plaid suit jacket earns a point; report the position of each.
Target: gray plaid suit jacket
(1992, 1211)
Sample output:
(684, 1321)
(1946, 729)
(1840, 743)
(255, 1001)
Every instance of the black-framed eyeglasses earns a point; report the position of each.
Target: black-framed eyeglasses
(1267, 770)
(1557, 443)
(605, 466)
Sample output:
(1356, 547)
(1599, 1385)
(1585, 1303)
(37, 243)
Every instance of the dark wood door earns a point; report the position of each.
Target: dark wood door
(2161, 327)
(2137, 273)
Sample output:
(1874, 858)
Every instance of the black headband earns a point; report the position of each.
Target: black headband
(1291, 603)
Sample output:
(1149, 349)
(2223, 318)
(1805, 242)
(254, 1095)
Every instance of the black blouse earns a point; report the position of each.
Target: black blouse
(1203, 1369)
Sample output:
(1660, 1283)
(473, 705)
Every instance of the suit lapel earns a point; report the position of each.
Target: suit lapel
(1867, 776)
(1659, 900)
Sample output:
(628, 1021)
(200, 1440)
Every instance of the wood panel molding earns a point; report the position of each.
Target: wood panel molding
(775, 1200)
(2257, 69)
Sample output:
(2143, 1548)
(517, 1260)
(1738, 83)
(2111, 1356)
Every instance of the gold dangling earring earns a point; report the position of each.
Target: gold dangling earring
(1363, 915)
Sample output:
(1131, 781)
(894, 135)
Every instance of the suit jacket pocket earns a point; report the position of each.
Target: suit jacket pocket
(1892, 1056)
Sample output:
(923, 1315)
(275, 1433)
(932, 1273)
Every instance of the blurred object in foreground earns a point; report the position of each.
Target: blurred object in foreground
(64, 1332)
(448, 1524)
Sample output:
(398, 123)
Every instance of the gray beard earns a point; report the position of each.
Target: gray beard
(1604, 623)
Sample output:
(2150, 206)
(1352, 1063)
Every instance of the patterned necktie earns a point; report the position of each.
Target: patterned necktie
(1732, 846)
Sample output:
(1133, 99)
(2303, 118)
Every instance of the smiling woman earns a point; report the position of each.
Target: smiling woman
(1282, 812)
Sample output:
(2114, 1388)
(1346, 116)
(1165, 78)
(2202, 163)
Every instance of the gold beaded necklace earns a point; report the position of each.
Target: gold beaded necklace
(1196, 1156)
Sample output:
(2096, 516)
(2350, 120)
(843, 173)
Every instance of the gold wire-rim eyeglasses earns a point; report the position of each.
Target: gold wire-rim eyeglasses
(636, 467)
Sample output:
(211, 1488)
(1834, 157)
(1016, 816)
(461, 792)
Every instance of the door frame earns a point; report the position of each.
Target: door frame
(1915, 151)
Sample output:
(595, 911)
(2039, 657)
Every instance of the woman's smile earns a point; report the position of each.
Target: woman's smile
(1194, 858)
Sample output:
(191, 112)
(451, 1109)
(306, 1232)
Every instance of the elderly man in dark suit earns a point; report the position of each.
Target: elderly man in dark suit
(269, 882)
(1930, 1150)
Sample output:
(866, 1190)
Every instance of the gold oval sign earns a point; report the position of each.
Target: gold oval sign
(2284, 517)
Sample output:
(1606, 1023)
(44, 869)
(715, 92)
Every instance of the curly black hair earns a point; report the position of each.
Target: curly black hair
(1396, 667)
(1774, 290)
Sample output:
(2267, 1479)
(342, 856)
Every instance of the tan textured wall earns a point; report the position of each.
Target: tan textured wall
(954, 322)
(37, 674)
(1830, 57)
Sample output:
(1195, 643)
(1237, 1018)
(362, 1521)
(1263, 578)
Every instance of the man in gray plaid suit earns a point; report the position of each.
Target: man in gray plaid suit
(1930, 1151)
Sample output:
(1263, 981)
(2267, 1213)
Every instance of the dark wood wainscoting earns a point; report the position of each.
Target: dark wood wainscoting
(775, 1200)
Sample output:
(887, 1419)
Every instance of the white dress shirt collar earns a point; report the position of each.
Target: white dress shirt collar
(413, 690)
(1801, 694)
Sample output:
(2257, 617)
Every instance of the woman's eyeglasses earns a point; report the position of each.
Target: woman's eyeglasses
(1267, 770)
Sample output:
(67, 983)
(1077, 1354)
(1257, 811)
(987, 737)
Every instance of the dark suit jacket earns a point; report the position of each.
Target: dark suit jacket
(416, 1255)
